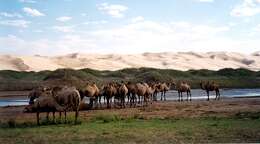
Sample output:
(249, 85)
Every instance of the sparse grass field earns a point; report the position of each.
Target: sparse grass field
(113, 129)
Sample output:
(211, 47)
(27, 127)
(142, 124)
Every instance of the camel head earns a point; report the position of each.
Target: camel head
(35, 93)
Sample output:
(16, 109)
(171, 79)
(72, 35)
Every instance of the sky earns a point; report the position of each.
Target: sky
(58, 27)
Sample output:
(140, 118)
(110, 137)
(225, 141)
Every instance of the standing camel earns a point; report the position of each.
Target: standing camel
(184, 87)
(131, 95)
(163, 88)
(67, 97)
(109, 92)
(122, 93)
(45, 103)
(210, 87)
(141, 89)
(91, 91)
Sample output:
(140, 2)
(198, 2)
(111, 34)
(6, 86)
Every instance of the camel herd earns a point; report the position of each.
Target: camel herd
(64, 99)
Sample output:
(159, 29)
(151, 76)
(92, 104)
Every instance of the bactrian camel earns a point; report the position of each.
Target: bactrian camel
(184, 87)
(210, 87)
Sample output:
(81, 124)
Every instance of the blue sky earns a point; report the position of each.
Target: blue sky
(57, 27)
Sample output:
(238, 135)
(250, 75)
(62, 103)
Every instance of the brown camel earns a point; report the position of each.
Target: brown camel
(45, 103)
(67, 97)
(163, 88)
(109, 92)
(131, 96)
(210, 87)
(91, 91)
(122, 93)
(184, 87)
(35, 93)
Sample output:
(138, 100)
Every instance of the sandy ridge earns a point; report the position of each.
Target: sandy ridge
(166, 60)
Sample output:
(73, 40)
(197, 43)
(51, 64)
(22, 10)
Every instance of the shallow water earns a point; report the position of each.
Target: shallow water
(170, 95)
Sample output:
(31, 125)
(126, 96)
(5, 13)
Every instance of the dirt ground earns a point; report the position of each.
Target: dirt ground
(167, 109)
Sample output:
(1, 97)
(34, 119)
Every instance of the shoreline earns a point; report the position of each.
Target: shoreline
(162, 109)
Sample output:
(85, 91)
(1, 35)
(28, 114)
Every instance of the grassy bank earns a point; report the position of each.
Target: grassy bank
(227, 78)
(111, 129)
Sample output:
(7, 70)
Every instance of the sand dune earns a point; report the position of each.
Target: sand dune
(179, 61)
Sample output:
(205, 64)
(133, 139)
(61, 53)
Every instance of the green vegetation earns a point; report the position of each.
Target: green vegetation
(107, 128)
(227, 78)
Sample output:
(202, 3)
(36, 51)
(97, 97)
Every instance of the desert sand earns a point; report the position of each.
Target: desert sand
(166, 60)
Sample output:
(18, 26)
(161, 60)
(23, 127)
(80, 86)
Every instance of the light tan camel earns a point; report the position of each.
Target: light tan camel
(163, 88)
(210, 87)
(92, 92)
(141, 89)
(155, 88)
(150, 92)
(184, 87)
(122, 92)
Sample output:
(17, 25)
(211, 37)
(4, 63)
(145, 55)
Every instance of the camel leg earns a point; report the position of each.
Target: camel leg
(155, 96)
(47, 116)
(38, 117)
(104, 99)
(107, 102)
(216, 95)
(164, 95)
(128, 96)
(190, 95)
(60, 116)
(99, 100)
(208, 95)
(161, 96)
(181, 97)
(123, 102)
(187, 96)
(76, 116)
(131, 100)
(65, 113)
(53, 116)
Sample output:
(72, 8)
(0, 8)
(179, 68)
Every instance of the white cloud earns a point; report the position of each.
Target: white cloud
(15, 23)
(10, 15)
(142, 36)
(65, 29)
(63, 45)
(38, 31)
(137, 19)
(208, 1)
(157, 37)
(27, 1)
(63, 18)
(114, 10)
(246, 8)
(95, 22)
(32, 12)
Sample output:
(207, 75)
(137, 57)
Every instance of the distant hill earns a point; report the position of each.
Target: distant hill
(227, 78)
(178, 61)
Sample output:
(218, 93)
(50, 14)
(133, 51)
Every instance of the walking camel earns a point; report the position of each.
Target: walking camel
(184, 87)
(210, 87)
